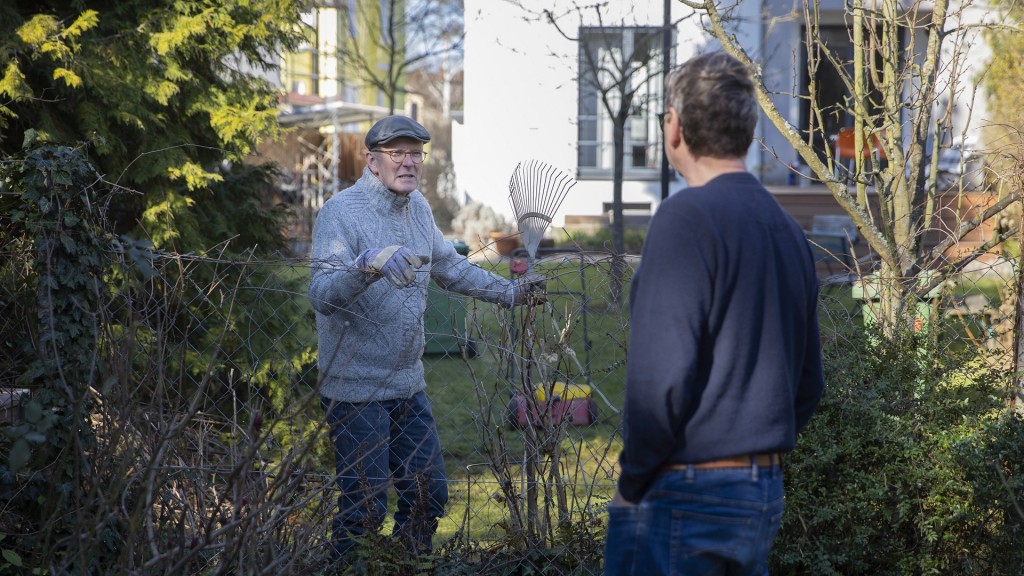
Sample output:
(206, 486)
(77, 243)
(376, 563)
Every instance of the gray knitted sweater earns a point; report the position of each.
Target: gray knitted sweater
(371, 333)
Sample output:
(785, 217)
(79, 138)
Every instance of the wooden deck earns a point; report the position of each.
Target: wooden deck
(804, 203)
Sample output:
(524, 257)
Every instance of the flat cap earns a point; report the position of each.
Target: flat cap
(391, 127)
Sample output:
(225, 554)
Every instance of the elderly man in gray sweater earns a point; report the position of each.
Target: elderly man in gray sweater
(375, 248)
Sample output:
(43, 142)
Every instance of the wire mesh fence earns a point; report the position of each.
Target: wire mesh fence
(211, 448)
(207, 413)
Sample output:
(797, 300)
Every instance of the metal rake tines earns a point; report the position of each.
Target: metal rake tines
(536, 190)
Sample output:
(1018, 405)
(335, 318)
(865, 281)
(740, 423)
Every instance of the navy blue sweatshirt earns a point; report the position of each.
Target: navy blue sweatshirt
(724, 355)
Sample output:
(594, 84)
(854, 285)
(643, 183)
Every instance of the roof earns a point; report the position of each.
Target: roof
(327, 113)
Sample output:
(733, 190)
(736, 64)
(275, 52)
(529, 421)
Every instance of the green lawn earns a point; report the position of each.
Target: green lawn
(470, 398)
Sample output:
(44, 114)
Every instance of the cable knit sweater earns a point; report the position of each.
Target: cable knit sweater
(371, 333)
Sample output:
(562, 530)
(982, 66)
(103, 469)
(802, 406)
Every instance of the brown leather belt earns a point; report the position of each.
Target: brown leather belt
(762, 460)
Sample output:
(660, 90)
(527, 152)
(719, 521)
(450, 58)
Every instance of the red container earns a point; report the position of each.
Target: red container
(571, 402)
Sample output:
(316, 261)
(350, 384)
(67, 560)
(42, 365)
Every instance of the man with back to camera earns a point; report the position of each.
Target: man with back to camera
(724, 362)
(375, 247)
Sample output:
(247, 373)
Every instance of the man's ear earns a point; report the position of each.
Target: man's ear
(371, 163)
(673, 132)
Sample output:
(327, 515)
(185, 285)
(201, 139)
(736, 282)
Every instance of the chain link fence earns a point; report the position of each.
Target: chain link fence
(210, 444)
(210, 440)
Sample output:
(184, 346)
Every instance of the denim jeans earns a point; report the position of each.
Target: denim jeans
(698, 522)
(378, 441)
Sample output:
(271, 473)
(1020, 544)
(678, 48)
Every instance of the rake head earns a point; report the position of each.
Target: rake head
(536, 190)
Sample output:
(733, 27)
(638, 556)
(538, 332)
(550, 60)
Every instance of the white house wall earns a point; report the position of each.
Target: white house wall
(520, 90)
(520, 98)
(780, 58)
(970, 112)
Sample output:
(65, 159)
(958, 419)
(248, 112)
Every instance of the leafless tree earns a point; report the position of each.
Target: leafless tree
(388, 39)
(907, 68)
(619, 73)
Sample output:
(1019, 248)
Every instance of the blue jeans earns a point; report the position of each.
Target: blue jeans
(698, 522)
(378, 441)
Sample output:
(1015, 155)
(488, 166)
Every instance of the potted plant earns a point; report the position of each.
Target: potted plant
(485, 229)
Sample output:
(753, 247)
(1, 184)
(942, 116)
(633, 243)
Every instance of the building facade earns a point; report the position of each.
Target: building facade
(529, 91)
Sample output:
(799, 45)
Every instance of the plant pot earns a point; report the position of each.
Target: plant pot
(504, 244)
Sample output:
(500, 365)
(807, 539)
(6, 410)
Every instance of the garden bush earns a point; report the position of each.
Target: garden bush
(174, 426)
(911, 465)
(601, 241)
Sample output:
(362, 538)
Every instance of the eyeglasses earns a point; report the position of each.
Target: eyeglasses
(661, 120)
(398, 156)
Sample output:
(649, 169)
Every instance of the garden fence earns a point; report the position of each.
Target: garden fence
(211, 455)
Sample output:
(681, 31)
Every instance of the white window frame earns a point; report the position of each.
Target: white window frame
(642, 137)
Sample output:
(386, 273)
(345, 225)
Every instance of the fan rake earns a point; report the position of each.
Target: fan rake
(536, 191)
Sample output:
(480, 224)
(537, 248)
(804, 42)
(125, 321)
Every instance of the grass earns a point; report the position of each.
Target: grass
(470, 397)
(968, 311)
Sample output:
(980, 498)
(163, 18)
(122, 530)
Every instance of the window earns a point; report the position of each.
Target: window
(832, 98)
(299, 71)
(621, 65)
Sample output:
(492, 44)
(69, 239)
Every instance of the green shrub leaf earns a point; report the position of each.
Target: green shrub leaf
(12, 558)
(19, 456)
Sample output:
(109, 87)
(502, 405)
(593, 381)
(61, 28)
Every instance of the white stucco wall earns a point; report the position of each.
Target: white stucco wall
(960, 76)
(520, 99)
(520, 91)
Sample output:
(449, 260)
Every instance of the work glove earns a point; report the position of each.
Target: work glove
(530, 289)
(396, 263)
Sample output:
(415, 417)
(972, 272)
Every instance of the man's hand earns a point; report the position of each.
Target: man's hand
(530, 289)
(396, 263)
